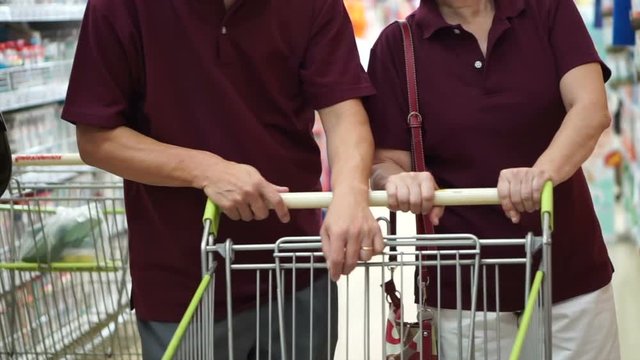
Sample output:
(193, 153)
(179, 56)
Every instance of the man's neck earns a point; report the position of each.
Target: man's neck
(465, 11)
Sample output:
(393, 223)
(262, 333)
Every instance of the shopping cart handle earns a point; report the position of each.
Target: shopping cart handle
(320, 200)
(47, 159)
(448, 197)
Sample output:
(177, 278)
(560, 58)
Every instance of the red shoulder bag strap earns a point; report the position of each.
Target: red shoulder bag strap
(414, 119)
(423, 224)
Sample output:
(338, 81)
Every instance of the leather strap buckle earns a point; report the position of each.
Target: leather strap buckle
(414, 119)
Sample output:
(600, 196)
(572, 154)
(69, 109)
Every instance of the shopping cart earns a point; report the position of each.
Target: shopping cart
(64, 279)
(361, 313)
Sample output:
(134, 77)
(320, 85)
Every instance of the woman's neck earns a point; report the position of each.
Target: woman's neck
(465, 11)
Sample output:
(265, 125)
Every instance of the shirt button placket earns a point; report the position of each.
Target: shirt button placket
(478, 64)
(224, 51)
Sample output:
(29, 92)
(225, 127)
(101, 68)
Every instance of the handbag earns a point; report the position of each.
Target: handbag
(404, 340)
(5, 157)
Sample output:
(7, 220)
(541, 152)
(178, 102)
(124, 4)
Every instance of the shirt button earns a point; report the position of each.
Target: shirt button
(478, 64)
(456, 31)
(224, 30)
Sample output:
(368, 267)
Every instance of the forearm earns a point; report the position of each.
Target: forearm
(350, 149)
(131, 155)
(574, 142)
(386, 163)
(381, 173)
(350, 157)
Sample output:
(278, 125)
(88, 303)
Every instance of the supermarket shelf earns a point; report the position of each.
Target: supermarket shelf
(32, 96)
(41, 13)
(33, 85)
(34, 67)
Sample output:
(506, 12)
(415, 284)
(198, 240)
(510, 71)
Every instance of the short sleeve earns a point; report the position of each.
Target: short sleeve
(331, 70)
(570, 39)
(388, 108)
(106, 71)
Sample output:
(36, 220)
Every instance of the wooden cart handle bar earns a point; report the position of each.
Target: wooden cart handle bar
(448, 197)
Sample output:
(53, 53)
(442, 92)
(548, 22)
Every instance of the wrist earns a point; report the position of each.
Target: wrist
(354, 192)
(548, 169)
(202, 167)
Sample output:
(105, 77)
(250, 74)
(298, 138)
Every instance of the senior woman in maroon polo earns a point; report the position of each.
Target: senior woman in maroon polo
(512, 95)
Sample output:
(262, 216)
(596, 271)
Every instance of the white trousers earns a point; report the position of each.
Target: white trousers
(584, 328)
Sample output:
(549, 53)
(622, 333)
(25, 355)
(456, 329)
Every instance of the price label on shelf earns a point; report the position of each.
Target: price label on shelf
(5, 13)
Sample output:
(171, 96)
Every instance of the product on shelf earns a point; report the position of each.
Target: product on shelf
(39, 130)
(35, 71)
(52, 46)
(600, 171)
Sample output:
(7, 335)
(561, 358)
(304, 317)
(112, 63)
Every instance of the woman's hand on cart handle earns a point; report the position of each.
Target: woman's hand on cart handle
(414, 192)
(520, 190)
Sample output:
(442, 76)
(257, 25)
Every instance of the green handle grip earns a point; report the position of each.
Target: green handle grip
(521, 336)
(212, 212)
(546, 202)
(187, 318)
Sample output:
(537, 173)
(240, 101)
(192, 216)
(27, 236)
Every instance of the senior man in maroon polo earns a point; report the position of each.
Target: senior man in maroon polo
(189, 99)
(512, 95)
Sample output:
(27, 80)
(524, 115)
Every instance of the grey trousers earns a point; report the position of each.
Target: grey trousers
(315, 329)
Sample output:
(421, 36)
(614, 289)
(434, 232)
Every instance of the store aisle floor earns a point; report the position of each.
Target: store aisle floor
(626, 286)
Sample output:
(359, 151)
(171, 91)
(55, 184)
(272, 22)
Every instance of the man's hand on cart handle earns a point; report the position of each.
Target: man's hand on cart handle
(349, 233)
(243, 194)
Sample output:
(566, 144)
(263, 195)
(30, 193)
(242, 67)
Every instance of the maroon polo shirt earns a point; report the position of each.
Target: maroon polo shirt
(482, 115)
(242, 84)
